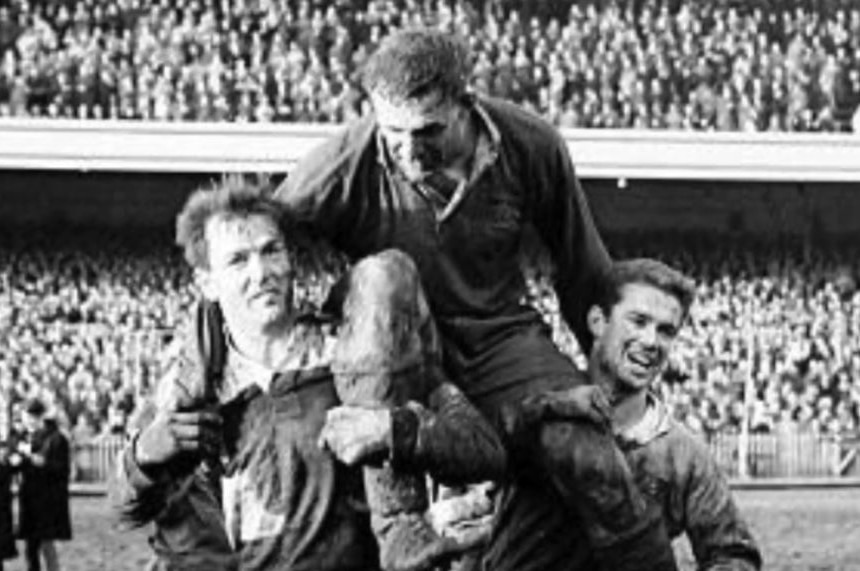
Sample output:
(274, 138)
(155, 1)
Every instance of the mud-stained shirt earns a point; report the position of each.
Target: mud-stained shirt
(275, 499)
(288, 504)
(676, 472)
(281, 502)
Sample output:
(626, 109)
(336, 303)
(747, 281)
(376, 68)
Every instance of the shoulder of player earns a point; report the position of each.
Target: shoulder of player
(335, 157)
(520, 126)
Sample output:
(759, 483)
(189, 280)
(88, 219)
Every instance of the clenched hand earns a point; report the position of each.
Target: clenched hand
(355, 434)
(172, 433)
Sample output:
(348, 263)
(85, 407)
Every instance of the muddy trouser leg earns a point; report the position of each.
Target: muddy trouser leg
(385, 353)
(579, 460)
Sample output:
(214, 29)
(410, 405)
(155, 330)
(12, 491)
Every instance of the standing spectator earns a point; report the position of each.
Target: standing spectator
(7, 541)
(855, 121)
(44, 493)
(9, 30)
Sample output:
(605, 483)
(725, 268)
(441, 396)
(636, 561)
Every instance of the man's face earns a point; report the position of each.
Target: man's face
(250, 273)
(421, 134)
(633, 341)
(31, 422)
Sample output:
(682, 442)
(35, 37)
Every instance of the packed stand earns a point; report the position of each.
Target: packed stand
(775, 331)
(85, 314)
(789, 65)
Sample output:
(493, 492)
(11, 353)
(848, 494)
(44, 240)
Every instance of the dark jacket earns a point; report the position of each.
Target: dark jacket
(7, 535)
(44, 492)
(468, 252)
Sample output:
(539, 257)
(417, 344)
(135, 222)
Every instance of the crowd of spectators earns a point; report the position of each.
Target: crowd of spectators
(85, 315)
(761, 65)
(775, 332)
(774, 335)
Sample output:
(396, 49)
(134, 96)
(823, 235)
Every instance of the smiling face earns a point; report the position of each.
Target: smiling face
(422, 135)
(249, 272)
(632, 342)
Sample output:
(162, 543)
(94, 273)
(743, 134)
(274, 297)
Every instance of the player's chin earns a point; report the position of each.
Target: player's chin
(269, 314)
(417, 170)
(637, 377)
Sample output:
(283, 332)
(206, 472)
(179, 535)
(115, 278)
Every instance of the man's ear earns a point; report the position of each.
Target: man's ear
(203, 280)
(596, 321)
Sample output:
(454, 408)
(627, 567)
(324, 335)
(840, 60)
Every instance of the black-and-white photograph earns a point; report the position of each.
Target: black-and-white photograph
(429, 285)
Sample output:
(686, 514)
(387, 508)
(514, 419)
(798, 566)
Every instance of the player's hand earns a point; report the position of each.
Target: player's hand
(172, 433)
(355, 434)
(467, 508)
(587, 402)
(469, 534)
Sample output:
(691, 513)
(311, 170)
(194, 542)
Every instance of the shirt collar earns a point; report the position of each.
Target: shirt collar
(489, 126)
(313, 344)
(653, 423)
(244, 371)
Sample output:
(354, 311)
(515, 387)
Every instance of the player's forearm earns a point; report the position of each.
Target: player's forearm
(450, 439)
(137, 496)
(564, 220)
(719, 536)
(725, 544)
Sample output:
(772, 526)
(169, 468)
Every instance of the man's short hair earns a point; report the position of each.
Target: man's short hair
(645, 271)
(232, 197)
(412, 63)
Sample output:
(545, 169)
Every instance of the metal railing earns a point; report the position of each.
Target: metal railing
(93, 462)
(781, 455)
(785, 455)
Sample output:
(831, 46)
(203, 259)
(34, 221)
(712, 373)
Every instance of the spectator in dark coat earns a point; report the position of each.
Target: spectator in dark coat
(44, 493)
(7, 535)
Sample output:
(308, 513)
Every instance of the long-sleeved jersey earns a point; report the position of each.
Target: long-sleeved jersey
(677, 473)
(467, 249)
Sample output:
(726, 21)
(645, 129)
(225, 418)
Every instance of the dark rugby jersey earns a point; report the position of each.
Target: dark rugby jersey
(295, 506)
(467, 250)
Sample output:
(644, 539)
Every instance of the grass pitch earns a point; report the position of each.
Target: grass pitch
(798, 530)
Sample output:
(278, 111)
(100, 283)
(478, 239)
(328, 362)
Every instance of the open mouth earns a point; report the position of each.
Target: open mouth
(266, 295)
(646, 362)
